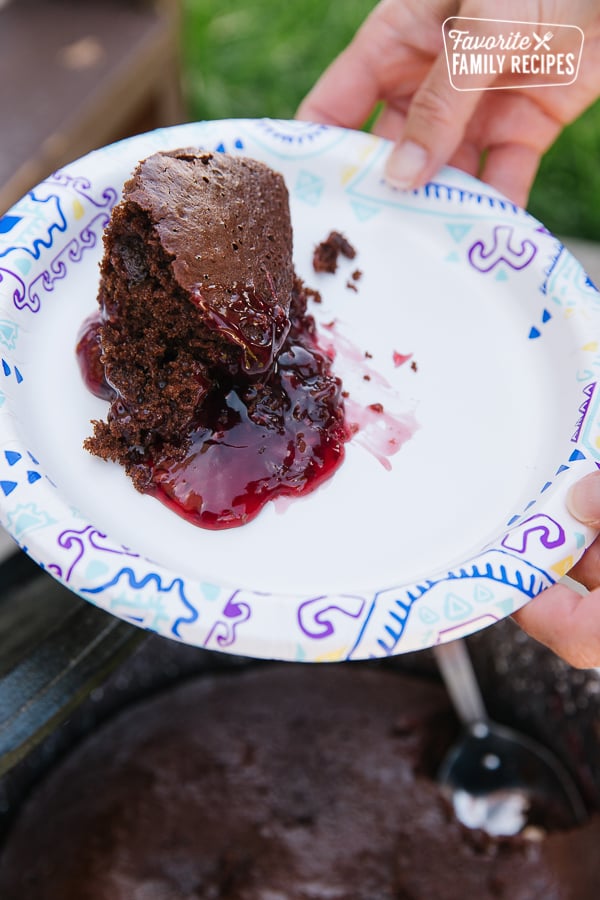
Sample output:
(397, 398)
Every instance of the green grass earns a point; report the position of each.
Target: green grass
(260, 57)
(566, 193)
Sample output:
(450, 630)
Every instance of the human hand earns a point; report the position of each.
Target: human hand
(397, 58)
(560, 617)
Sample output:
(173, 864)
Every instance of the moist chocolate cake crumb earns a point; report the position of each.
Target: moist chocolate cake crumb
(351, 283)
(198, 300)
(312, 294)
(326, 254)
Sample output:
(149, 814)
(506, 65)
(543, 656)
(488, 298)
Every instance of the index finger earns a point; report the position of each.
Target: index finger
(567, 622)
(347, 91)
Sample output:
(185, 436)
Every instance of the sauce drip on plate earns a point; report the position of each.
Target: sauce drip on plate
(255, 438)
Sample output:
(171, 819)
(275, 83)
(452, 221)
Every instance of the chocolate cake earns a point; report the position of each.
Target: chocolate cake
(327, 252)
(203, 324)
(291, 782)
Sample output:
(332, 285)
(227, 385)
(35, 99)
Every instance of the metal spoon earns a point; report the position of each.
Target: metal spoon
(499, 780)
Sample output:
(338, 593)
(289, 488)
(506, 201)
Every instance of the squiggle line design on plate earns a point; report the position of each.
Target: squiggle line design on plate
(184, 620)
(151, 580)
(315, 616)
(588, 393)
(485, 258)
(88, 538)
(540, 529)
(223, 632)
(31, 216)
(58, 268)
(18, 290)
(83, 186)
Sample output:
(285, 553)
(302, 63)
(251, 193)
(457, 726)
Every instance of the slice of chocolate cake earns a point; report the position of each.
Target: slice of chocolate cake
(198, 300)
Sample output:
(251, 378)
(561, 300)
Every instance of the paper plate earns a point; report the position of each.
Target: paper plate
(468, 325)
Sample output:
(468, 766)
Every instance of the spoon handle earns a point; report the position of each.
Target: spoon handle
(461, 682)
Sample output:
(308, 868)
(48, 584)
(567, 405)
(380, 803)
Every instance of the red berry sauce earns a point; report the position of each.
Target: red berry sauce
(255, 439)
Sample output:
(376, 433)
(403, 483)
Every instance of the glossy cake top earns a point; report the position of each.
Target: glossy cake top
(225, 221)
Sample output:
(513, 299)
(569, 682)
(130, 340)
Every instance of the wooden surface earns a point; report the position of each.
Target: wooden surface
(78, 74)
(54, 649)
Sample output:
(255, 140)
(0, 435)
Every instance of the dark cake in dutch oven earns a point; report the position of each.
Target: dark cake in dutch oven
(282, 783)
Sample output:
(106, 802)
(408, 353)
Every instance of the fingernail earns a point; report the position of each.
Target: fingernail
(405, 164)
(583, 499)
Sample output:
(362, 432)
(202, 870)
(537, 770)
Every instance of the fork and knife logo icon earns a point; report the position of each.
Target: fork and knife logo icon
(542, 42)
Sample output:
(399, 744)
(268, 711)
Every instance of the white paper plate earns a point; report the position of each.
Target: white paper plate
(499, 415)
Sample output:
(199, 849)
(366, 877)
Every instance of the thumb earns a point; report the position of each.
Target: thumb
(583, 500)
(435, 125)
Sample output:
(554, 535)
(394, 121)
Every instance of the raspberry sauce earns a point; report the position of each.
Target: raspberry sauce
(255, 439)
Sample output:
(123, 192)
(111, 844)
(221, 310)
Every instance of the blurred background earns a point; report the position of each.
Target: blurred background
(90, 72)
(260, 57)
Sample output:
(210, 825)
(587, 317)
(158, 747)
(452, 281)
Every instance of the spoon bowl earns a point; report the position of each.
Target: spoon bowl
(500, 780)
